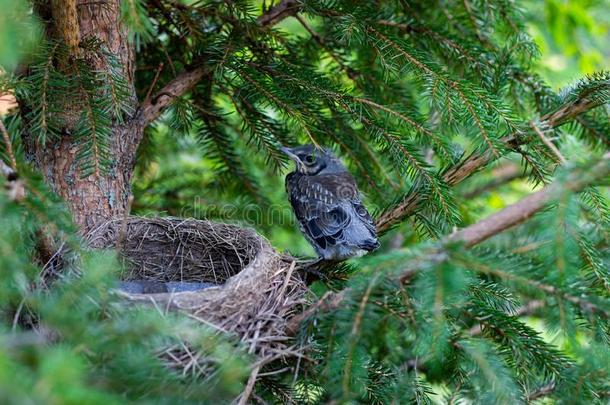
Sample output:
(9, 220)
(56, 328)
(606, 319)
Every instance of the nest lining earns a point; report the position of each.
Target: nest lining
(258, 290)
(179, 250)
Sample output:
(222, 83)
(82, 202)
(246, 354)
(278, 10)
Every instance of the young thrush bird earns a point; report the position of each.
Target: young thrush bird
(326, 201)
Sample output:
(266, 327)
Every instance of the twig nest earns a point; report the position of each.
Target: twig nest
(256, 290)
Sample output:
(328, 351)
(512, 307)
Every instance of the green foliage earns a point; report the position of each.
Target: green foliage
(88, 347)
(408, 93)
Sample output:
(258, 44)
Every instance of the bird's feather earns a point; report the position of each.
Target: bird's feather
(327, 207)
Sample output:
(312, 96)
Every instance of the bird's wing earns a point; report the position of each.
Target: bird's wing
(324, 205)
(344, 188)
(364, 216)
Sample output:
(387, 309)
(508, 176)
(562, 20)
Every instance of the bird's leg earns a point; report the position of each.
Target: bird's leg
(311, 269)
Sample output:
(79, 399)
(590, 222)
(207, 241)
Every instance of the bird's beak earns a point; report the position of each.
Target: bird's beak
(291, 154)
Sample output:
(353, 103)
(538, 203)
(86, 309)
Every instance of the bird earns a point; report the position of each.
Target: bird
(327, 204)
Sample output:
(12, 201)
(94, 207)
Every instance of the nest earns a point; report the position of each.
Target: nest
(256, 291)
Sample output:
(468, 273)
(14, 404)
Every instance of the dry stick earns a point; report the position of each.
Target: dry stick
(152, 85)
(548, 143)
(9, 146)
(486, 228)
(123, 232)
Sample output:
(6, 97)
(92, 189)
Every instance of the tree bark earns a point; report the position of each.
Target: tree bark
(99, 196)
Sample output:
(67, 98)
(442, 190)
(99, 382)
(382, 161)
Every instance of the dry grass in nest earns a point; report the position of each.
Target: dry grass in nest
(258, 290)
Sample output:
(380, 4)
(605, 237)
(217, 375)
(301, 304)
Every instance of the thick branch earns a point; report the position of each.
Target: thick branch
(275, 14)
(528, 206)
(151, 109)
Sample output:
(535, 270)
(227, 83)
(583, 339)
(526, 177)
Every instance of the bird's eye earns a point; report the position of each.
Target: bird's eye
(310, 159)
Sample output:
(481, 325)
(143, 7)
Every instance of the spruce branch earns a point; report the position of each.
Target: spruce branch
(152, 107)
(501, 176)
(524, 209)
(277, 13)
(476, 161)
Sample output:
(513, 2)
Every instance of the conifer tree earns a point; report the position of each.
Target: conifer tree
(429, 104)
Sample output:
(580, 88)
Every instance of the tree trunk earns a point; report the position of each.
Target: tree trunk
(97, 197)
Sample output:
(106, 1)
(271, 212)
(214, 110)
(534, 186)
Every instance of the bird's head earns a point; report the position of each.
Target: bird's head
(311, 160)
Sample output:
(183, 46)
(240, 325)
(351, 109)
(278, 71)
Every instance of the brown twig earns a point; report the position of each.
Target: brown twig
(9, 146)
(548, 143)
(152, 108)
(152, 85)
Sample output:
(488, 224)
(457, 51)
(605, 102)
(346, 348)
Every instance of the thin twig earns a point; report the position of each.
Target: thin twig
(9, 147)
(152, 85)
(243, 398)
(548, 143)
(123, 232)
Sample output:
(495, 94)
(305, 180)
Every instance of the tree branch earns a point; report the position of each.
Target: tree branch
(502, 175)
(524, 209)
(475, 162)
(152, 107)
(275, 14)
